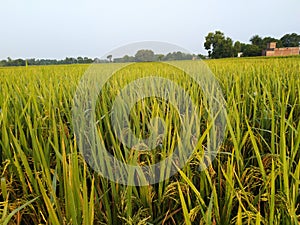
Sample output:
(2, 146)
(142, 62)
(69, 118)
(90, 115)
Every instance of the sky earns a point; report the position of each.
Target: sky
(72, 28)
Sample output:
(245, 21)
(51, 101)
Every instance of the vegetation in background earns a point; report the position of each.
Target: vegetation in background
(219, 46)
(143, 55)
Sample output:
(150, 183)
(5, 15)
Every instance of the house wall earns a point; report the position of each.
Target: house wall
(282, 51)
(271, 45)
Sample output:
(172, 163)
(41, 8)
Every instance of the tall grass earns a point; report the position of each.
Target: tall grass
(254, 179)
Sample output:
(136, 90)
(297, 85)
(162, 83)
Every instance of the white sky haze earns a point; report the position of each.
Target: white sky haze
(65, 28)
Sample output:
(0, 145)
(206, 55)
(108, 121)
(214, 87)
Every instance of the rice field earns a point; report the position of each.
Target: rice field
(254, 178)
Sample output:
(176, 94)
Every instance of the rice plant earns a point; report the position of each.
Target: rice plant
(254, 179)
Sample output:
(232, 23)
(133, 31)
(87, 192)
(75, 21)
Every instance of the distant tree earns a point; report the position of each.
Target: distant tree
(290, 40)
(70, 60)
(251, 50)
(200, 56)
(22, 62)
(168, 57)
(124, 59)
(97, 60)
(218, 45)
(237, 47)
(128, 58)
(19, 62)
(80, 60)
(209, 53)
(87, 60)
(228, 50)
(144, 55)
(212, 40)
(159, 57)
(267, 40)
(257, 40)
(3, 63)
(31, 61)
(109, 57)
(178, 56)
(261, 43)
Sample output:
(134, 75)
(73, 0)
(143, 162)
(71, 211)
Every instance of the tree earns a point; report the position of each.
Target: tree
(31, 62)
(19, 62)
(128, 58)
(87, 60)
(237, 47)
(261, 43)
(251, 50)
(218, 45)
(79, 59)
(257, 40)
(70, 60)
(109, 57)
(144, 55)
(290, 40)
(267, 40)
(200, 56)
(160, 57)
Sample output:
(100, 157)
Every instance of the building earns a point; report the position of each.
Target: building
(273, 51)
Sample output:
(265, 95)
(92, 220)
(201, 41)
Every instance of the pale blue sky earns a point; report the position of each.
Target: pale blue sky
(60, 28)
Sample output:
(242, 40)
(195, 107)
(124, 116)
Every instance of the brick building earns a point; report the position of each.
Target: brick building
(273, 51)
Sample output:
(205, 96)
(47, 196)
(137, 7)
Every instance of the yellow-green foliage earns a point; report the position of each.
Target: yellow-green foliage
(254, 179)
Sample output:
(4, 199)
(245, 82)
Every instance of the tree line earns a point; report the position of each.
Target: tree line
(143, 55)
(38, 62)
(216, 43)
(147, 55)
(220, 46)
